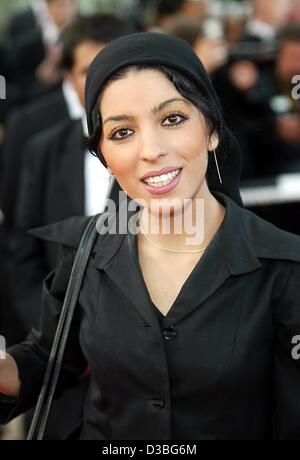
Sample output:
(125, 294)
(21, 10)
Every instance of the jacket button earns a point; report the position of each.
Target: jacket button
(169, 333)
(158, 401)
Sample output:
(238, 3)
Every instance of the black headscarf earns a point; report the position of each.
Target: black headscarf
(161, 49)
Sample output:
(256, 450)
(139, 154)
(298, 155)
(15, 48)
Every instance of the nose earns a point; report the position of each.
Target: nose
(151, 146)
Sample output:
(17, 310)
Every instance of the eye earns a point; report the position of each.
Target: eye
(121, 132)
(176, 115)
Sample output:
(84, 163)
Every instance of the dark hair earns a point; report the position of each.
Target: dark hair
(212, 112)
(100, 28)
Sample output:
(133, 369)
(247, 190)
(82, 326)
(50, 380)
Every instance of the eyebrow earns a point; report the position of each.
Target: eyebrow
(155, 110)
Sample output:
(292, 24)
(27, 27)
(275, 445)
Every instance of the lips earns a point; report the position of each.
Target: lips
(163, 187)
(164, 179)
(166, 170)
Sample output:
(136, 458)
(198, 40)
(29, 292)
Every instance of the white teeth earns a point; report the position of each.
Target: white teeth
(163, 180)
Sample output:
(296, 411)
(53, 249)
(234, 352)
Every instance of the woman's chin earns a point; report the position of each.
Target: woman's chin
(166, 208)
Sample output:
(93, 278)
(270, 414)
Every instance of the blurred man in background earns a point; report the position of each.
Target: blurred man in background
(211, 51)
(30, 54)
(32, 43)
(24, 123)
(284, 138)
(261, 109)
(268, 17)
(59, 177)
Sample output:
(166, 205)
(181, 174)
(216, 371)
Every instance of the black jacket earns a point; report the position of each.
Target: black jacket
(25, 45)
(28, 121)
(220, 365)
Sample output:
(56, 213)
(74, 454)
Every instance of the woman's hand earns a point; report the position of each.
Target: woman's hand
(9, 377)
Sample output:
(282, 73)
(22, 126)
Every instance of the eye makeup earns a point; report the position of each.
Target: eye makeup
(171, 114)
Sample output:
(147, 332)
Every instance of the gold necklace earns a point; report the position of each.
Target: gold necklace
(166, 249)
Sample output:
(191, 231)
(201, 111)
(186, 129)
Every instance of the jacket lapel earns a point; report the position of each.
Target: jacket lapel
(125, 273)
(229, 253)
(115, 255)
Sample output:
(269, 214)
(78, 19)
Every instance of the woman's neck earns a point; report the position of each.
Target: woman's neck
(191, 229)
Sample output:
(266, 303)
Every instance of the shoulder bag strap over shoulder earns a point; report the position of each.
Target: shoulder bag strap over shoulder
(56, 356)
(45, 400)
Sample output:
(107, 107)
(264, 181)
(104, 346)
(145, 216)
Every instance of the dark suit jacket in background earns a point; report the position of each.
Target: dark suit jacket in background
(24, 124)
(25, 46)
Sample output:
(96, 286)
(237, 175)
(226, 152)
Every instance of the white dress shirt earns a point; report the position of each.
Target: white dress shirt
(96, 176)
(75, 109)
(49, 30)
(96, 180)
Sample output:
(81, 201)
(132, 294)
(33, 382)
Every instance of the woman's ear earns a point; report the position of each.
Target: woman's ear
(213, 142)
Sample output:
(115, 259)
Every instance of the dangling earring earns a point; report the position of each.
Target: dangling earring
(217, 166)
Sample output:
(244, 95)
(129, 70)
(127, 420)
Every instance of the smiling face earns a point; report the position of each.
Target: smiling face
(149, 129)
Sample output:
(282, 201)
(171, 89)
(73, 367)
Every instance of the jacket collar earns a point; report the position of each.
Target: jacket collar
(237, 251)
(239, 254)
(229, 253)
(245, 238)
(238, 246)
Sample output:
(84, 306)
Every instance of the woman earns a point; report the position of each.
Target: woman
(184, 340)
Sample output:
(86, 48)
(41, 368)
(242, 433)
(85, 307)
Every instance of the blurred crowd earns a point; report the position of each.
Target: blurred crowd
(251, 51)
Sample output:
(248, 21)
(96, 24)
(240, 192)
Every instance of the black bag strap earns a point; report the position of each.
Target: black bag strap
(45, 400)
